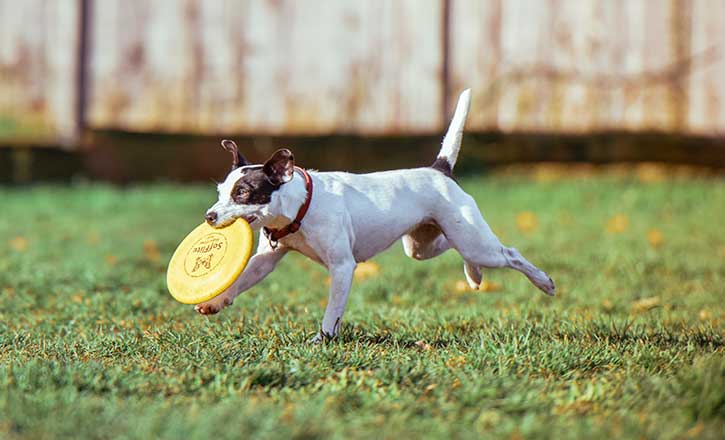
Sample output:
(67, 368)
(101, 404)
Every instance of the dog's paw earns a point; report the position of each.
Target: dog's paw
(207, 309)
(213, 307)
(548, 287)
(321, 337)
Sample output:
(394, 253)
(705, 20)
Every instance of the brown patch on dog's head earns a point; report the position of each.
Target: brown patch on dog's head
(257, 183)
(238, 159)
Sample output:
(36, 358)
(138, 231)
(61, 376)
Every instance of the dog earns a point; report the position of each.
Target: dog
(350, 218)
(203, 262)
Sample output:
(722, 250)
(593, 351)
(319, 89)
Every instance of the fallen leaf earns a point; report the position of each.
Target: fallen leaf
(645, 304)
(111, 260)
(654, 237)
(93, 238)
(695, 430)
(365, 270)
(422, 345)
(456, 362)
(651, 172)
(704, 315)
(527, 222)
(151, 251)
(618, 224)
(19, 243)
(489, 286)
(462, 286)
(486, 286)
(607, 305)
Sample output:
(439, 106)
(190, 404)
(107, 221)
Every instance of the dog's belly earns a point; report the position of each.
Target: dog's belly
(374, 240)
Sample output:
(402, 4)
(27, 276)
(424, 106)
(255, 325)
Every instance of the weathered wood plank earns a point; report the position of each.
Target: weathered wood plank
(38, 49)
(576, 66)
(292, 67)
(706, 86)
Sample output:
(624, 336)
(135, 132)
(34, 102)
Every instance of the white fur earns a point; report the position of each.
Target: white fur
(353, 217)
(454, 135)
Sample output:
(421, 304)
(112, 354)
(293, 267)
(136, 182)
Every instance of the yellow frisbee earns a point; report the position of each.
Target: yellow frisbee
(208, 261)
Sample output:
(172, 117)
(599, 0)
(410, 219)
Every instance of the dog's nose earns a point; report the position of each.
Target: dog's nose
(211, 217)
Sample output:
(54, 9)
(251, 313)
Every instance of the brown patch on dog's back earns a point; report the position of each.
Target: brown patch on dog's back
(441, 164)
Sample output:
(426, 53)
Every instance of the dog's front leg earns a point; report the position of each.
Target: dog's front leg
(340, 281)
(260, 265)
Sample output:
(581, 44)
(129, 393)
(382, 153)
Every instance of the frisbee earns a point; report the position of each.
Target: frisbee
(208, 261)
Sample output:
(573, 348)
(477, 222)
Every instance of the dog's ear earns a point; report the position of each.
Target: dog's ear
(280, 167)
(239, 160)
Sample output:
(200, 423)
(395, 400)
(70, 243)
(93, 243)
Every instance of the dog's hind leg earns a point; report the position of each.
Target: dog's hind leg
(427, 241)
(473, 275)
(466, 231)
(424, 242)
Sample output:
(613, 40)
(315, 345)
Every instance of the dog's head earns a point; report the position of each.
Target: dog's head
(247, 192)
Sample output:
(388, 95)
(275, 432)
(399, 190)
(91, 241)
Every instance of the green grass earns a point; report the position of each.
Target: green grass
(92, 345)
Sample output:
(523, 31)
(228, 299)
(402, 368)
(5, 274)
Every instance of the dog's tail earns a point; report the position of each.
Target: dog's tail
(446, 159)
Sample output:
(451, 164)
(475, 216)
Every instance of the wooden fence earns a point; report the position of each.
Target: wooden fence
(377, 67)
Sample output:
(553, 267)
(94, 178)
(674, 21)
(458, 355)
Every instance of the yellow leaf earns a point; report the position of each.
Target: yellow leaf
(704, 315)
(607, 305)
(19, 243)
(651, 172)
(111, 260)
(489, 286)
(527, 222)
(654, 237)
(695, 430)
(456, 362)
(365, 270)
(486, 286)
(462, 286)
(645, 304)
(151, 250)
(618, 224)
(93, 238)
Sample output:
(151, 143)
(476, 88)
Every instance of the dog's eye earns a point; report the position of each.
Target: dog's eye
(241, 194)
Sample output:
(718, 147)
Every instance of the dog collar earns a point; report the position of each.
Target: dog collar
(275, 235)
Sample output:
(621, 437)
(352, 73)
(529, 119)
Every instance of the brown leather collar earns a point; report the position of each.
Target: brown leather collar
(275, 235)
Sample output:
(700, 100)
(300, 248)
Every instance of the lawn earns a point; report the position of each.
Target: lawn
(92, 345)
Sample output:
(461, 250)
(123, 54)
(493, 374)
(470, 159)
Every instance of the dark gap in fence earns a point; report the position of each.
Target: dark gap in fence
(124, 157)
(82, 82)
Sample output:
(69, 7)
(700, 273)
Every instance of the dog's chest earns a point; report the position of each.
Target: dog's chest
(299, 244)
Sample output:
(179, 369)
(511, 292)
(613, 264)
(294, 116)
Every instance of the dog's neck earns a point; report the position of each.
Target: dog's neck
(287, 201)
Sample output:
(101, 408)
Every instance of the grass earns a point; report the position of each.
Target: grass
(92, 345)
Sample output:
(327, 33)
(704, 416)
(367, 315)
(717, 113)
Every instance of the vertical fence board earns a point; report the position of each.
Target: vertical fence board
(706, 85)
(575, 66)
(292, 67)
(38, 62)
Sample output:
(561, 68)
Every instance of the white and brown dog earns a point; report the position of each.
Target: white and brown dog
(340, 219)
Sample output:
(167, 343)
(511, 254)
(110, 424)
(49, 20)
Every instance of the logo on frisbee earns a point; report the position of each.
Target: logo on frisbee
(205, 255)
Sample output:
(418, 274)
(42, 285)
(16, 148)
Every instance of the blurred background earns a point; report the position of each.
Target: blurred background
(127, 90)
